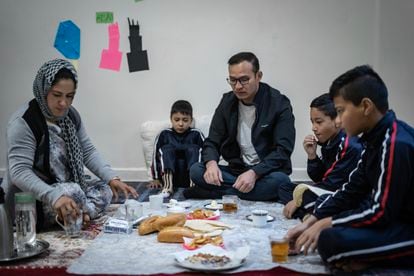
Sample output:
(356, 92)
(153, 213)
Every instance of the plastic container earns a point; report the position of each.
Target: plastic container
(25, 214)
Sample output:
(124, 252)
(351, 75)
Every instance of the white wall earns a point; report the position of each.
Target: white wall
(302, 46)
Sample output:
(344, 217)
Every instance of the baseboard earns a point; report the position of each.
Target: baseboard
(141, 174)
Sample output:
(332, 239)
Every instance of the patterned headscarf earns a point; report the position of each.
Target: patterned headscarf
(41, 86)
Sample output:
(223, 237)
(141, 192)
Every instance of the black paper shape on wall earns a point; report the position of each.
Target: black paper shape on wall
(137, 58)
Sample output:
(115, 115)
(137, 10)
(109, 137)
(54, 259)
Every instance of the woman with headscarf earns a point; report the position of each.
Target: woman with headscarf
(48, 148)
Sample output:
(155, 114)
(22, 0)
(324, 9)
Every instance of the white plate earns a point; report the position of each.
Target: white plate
(219, 206)
(269, 218)
(183, 204)
(209, 268)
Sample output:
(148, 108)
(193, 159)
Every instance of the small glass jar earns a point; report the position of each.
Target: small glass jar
(25, 217)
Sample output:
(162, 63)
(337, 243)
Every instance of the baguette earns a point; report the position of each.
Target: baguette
(147, 226)
(174, 234)
(170, 220)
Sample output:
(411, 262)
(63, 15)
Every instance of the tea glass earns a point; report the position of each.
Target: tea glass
(279, 247)
(71, 225)
(230, 203)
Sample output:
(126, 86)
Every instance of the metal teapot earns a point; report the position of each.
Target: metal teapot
(6, 231)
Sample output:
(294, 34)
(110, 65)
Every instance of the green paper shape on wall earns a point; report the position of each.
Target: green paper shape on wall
(104, 17)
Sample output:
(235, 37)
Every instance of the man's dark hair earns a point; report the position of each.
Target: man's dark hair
(325, 104)
(182, 106)
(64, 74)
(245, 56)
(358, 83)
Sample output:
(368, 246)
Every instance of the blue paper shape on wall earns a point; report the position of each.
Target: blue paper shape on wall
(67, 40)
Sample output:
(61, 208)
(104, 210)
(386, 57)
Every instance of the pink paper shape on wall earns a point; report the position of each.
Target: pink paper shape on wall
(113, 31)
(111, 58)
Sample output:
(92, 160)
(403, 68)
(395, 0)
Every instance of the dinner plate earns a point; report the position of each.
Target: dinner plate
(209, 268)
(219, 206)
(215, 216)
(269, 218)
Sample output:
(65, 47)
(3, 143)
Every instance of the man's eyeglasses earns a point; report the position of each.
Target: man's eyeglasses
(242, 80)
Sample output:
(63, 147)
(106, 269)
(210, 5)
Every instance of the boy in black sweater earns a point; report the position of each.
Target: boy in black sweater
(370, 220)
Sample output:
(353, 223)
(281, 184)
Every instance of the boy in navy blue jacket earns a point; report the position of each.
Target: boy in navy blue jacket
(370, 220)
(339, 156)
(175, 150)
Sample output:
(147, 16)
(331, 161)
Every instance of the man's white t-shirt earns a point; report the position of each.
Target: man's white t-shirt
(247, 116)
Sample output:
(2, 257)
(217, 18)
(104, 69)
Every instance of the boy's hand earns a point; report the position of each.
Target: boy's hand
(154, 184)
(289, 209)
(296, 231)
(308, 240)
(309, 144)
(212, 174)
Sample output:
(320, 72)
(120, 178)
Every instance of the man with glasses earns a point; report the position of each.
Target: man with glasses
(253, 130)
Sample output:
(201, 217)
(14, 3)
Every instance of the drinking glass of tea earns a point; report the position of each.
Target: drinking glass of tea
(279, 247)
(230, 203)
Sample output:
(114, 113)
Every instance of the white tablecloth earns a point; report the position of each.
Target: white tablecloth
(134, 254)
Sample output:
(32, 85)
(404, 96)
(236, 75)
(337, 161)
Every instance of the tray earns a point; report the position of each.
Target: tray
(39, 247)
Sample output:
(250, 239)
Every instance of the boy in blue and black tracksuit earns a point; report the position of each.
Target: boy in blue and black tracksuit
(176, 149)
(339, 156)
(370, 220)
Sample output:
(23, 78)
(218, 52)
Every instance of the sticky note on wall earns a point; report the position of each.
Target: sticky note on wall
(104, 17)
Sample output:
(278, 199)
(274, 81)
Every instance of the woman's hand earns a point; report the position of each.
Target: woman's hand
(309, 144)
(65, 206)
(118, 186)
(155, 184)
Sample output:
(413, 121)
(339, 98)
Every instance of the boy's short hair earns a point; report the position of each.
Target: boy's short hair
(358, 83)
(182, 106)
(245, 56)
(325, 104)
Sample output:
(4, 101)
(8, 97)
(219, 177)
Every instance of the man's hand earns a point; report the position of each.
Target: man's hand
(155, 184)
(308, 240)
(309, 144)
(212, 174)
(289, 209)
(119, 186)
(246, 181)
(65, 206)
